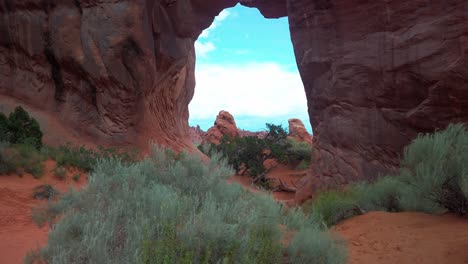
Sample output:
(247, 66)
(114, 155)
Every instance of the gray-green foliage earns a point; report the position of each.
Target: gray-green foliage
(435, 171)
(166, 210)
(433, 178)
(321, 249)
(21, 157)
(333, 206)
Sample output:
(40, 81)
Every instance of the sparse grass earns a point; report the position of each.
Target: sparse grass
(85, 159)
(166, 210)
(14, 158)
(76, 177)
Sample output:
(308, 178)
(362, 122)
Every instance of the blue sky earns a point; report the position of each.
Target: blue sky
(246, 65)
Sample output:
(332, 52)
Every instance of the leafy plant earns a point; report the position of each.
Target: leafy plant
(20, 128)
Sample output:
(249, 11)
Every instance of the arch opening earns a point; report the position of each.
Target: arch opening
(246, 65)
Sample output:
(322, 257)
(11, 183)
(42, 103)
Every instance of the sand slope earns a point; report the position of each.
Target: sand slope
(18, 232)
(408, 237)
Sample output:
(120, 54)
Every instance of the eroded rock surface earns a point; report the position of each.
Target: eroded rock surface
(119, 72)
(298, 132)
(375, 73)
(224, 125)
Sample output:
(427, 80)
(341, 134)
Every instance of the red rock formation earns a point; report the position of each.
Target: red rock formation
(224, 125)
(298, 132)
(375, 73)
(196, 134)
(119, 72)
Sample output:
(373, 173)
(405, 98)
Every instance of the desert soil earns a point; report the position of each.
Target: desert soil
(18, 232)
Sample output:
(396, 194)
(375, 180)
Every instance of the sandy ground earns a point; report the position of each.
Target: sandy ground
(288, 176)
(388, 238)
(18, 232)
(408, 237)
(376, 237)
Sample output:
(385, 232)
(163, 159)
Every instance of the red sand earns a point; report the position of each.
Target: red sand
(408, 237)
(18, 232)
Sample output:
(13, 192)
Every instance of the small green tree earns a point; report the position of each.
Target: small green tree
(4, 133)
(24, 129)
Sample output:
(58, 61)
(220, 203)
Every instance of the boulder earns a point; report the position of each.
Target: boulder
(298, 132)
(224, 125)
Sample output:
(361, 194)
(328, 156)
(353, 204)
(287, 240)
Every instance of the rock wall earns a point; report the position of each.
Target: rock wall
(375, 73)
(118, 72)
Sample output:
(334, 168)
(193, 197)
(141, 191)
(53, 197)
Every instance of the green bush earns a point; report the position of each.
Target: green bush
(303, 165)
(433, 178)
(76, 177)
(60, 172)
(298, 151)
(85, 159)
(334, 206)
(45, 191)
(383, 195)
(435, 171)
(247, 154)
(313, 246)
(165, 210)
(20, 128)
(25, 157)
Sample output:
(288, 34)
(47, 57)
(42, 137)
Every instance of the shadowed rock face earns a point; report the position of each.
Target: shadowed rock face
(375, 73)
(118, 72)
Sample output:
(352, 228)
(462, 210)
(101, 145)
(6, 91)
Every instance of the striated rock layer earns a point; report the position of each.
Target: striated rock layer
(375, 73)
(118, 72)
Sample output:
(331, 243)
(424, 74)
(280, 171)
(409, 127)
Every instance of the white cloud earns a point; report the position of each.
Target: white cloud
(222, 16)
(202, 49)
(254, 89)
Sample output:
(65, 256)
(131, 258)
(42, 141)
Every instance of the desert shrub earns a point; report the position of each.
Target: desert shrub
(85, 159)
(21, 157)
(334, 206)
(434, 172)
(4, 131)
(60, 172)
(45, 191)
(313, 246)
(20, 128)
(383, 195)
(76, 177)
(165, 210)
(303, 165)
(298, 151)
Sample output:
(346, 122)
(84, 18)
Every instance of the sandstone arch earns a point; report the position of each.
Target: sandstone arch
(122, 72)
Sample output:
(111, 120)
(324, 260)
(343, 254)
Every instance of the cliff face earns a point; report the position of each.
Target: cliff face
(118, 72)
(375, 73)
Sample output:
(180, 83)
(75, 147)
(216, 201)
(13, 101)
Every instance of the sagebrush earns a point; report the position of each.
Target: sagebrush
(166, 210)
